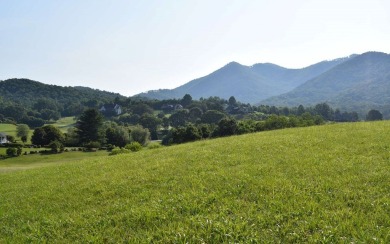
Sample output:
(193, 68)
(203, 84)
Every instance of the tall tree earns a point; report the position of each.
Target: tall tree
(90, 127)
(373, 115)
(186, 100)
(22, 131)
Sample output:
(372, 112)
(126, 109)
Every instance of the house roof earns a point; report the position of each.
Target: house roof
(3, 134)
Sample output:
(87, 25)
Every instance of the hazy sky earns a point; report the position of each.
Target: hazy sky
(130, 46)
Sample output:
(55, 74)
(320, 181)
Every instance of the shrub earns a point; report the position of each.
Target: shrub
(134, 146)
(19, 151)
(140, 135)
(92, 145)
(11, 151)
(56, 147)
(117, 150)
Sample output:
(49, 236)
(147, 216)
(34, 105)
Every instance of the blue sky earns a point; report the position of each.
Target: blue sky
(135, 46)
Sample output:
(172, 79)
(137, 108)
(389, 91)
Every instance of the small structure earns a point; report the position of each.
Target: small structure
(3, 138)
(111, 109)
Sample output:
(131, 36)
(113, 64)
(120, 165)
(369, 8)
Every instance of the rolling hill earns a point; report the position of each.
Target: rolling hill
(317, 184)
(361, 83)
(248, 84)
(27, 92)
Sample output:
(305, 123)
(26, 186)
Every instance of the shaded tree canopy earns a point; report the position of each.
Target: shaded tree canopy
(90, 127)
(373, 115)
(45, 135)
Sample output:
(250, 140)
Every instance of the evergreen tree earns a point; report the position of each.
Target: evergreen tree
(90, 127)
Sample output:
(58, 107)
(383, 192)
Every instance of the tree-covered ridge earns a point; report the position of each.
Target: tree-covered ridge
(27, 92)
(34, 103)
(359, 84)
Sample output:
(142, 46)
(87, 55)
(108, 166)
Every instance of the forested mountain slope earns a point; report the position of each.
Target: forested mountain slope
(359, 83)
(248, 84)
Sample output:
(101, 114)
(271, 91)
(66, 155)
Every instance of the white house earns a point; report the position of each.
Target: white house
(3, 138)
(117, 109)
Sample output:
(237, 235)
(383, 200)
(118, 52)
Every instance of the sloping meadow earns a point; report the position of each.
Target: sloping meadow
(318, 184)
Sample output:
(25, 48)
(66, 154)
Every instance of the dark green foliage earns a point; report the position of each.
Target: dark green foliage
(195, 114)
(11, 152)
(56, 146)
(150, 121)
(10, 138)
(179, 118)
(132, 119)
(90, 127)
(32, 121)
(275, 122)
(205, 130)
(19, 151)
(24, 139)
(92, 145)
(226, 127)
(186, 134)
(186, 100)
(142, 108)
(232, 101)
(32, 103)
(324, 110)
(212, 117)
(373, 115)
(45, 135)
(117, 135)
(72, 137)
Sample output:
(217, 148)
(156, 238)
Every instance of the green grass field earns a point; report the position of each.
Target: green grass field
(64, 123)
(327, 184)
(24, 162)
(9, 129)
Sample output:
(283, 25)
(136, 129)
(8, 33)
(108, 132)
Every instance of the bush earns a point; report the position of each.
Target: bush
(56, 147)
(11, 151)
(134, 146)
(117, 150)
(19, 151)
(92, 145)
(140, 135)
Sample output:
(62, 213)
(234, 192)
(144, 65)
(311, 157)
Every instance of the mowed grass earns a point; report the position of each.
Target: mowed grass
(65, 123)
(31, 161)
(8, 129)
(318, 184)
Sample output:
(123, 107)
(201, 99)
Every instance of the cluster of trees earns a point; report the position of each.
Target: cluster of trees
(33, 103)
(228, 126)
(173, 120)
(91, 131)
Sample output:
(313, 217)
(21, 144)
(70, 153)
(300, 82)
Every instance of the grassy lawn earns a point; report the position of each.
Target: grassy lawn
(41, 160)
(327, 184)
(9, 129)
(64, 123)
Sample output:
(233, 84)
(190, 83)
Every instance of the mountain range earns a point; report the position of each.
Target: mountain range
(248, 84)
(357, 82)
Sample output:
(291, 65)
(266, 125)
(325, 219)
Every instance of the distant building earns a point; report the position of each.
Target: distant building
(111, 108)
(3, 138)
(170, 107)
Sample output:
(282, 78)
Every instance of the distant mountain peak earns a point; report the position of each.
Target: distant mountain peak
(249, 84)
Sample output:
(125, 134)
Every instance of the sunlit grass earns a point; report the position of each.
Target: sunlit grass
(65, 123)
(318, 184)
